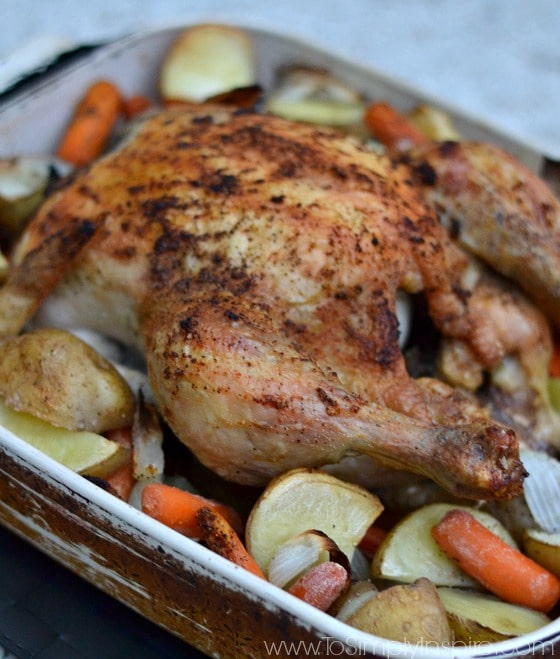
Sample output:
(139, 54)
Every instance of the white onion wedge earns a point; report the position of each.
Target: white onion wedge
(147, 443)
(299, 554)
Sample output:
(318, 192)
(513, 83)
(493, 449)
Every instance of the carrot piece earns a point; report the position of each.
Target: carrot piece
(321, 585)
(554, 364)
(502, 569)
(177, 509)
(92, 123)
(122, 480)
(219, 536)
(391, 127)
(373, 537)
(135, 105)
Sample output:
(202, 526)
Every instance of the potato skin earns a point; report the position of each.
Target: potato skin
(410, 613)
(55, 376)
(480, 617)
(544, 548)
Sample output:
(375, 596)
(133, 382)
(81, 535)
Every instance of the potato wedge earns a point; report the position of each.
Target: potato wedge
(302, 500)
(55, 376)
(543, 548)
(409, 551)
(22, 185)
(433, 123)
(207, 60)
(315, 96)
(84, 452)
(411, 613)
(476, 617)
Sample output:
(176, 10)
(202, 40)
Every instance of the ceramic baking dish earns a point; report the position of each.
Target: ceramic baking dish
(195, 594)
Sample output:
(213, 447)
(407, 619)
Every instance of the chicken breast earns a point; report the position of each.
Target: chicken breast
(257, 262)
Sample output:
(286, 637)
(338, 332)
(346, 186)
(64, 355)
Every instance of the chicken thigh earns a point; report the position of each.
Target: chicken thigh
(256, 262)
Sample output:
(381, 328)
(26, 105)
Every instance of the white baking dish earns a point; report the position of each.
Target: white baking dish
(195, 594)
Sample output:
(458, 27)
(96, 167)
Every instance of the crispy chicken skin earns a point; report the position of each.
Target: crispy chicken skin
(256, 262)
(514, 224)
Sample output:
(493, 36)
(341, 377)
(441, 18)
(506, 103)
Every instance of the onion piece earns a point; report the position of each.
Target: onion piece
(3, 267)
(147, 440)
(360, 565)
(542, 488)
(301, 553)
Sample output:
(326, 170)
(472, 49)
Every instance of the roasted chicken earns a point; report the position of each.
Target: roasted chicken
(257, 263)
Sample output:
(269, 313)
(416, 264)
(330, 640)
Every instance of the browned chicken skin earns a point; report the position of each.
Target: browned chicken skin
(515, 224)
(257, 263)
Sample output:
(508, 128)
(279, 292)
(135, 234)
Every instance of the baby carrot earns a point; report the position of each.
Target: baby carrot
(92, 123)
(321, 585)
(177, 508)
(502, 569)
(135, 105)
(122, 480)
(554, 364)
(373, 537)
(391, 127)
(219, 536)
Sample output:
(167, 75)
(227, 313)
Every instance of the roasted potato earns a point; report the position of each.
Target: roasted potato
(315, 96)
(302, 500)
(476, 617)
(207, 60)
(543, 548)
(53, 375)
(411, 613)
(409, 551)
(433, 123)
(23, 183)
(84, 452)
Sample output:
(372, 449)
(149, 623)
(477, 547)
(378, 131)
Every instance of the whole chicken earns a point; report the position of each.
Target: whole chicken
(257, 264)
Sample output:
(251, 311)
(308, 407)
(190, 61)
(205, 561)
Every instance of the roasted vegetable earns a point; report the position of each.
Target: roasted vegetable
(544, 548)
(302, 500)
(204, 61)
(477, 617)
(84, 452)
(315, 96)
(411, 613)
(300, 553)
(55, 376)
(23, 182)
(435, 124)
(409, 551)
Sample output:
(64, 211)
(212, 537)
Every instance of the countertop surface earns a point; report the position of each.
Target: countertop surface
(496, 60)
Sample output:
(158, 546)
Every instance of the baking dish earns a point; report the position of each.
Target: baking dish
(195, 594)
